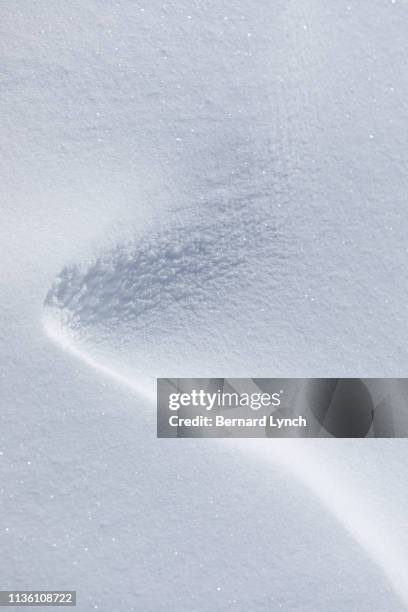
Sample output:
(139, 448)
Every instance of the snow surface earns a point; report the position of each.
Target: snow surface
(199, 188)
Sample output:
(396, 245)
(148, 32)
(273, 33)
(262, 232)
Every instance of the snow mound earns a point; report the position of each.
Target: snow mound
(176, 292)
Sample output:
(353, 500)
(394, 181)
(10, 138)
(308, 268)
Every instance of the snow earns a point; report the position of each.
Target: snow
(199, 187)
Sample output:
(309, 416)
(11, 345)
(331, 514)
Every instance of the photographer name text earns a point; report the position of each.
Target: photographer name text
(222, 421)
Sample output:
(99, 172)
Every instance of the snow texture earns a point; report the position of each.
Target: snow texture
(199, 188)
